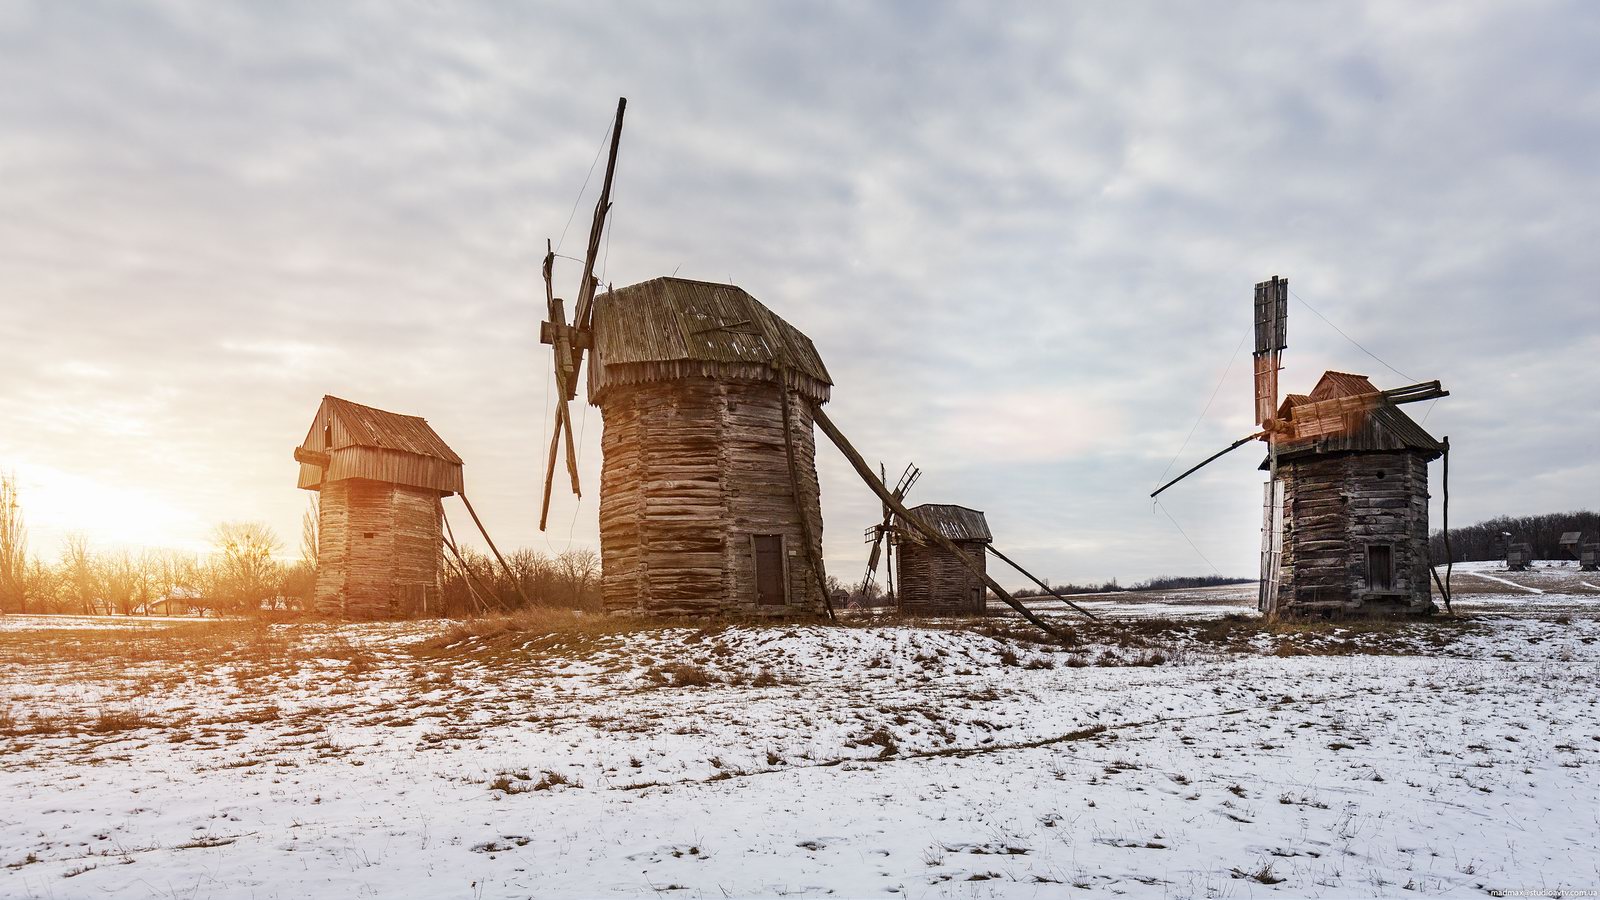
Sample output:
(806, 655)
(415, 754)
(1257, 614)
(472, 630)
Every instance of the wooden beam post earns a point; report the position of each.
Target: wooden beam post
(944, 543)
(1009, 561)
(461, 562)
(1449, 557)
(490, 541)
(812, 555)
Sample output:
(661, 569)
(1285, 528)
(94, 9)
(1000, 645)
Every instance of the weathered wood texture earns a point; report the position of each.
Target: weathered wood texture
(694, 470)
(378, 550)
(365, 442)
(932, 581)
(1336, 507)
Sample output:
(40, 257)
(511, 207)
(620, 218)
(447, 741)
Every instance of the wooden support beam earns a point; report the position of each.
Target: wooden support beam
(944, 543)
(1449, 558)
(1013, 564)
(490, 541)
(461, 562)
(799, 505)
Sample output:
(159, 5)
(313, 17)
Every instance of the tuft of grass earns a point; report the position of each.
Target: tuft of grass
(682, 675)
(1264, 875)
(112, 721)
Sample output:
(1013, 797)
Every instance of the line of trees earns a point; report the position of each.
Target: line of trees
(241, 575)
(1159, 583)
(244, 574)
(1487, 540)
(569, 579)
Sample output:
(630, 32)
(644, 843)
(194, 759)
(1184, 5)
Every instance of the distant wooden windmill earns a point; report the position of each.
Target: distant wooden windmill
(1345, 512)
(879, 535)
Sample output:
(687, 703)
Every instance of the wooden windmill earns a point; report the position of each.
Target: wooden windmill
(879, 535)
(1345, 506)
(709, 498)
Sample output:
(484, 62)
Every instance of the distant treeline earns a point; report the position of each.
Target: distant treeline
(1487, 540)
(1159, 583)
(244, 574)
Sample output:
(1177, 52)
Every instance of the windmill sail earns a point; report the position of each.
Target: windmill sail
(568, 341)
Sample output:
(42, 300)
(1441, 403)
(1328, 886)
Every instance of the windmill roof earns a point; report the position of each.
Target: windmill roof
(1373, 423)
(671, 327)
(1341, 384)
(957, 523)
(368, 426)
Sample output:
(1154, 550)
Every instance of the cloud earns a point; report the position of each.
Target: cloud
(1024, 240)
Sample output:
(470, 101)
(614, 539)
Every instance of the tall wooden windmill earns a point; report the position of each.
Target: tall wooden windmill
(709, 502)
(1345, 506)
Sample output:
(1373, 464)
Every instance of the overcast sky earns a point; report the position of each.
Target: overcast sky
(1023, 237)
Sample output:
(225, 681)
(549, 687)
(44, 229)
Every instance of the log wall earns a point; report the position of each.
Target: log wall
(930, 581)
(378, 548)
(1334, 508)
(693, 469)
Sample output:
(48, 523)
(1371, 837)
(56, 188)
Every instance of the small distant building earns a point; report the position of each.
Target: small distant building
(1570, 541)
(1589, 557)
(381, 476)
(1519, 556)
(930, 580)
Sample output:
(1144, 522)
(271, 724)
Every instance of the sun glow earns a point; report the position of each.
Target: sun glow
(57, 503)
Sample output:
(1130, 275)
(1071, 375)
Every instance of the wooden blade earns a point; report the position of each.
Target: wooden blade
(1208, 460)
(1271, 318)
(572, 454)
(583, 312)
(550, 468)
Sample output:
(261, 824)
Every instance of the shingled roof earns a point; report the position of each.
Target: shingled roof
(674, 327)
(956, 523)
(375, 444)
(1372, 423)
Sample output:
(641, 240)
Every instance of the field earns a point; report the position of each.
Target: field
(1179, 748)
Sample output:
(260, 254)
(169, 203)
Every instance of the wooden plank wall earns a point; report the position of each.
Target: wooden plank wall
(378, 551)
(931, 582)
(693, 467)
(1334, 507)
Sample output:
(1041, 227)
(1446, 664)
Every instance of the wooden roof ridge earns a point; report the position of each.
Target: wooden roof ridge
(1334, 383)
(369, 426)
(954, 521)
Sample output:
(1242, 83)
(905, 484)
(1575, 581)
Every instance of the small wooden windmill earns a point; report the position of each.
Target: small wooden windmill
(878, 534)
(1345, 508)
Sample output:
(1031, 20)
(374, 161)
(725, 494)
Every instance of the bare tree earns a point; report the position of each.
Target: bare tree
(119, 581)
(13, 548)
(79, 580)
(310, 531)
(244, 572)
(579, 566)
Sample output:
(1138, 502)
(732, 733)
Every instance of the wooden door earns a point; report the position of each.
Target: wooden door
(769, 570)
(1380, 567)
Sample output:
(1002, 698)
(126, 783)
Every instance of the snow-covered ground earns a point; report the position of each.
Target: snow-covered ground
(1175, 751)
